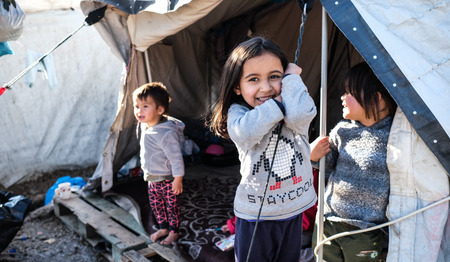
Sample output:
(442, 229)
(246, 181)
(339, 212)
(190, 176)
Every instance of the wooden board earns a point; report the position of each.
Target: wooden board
(98, 220)
(120, 215)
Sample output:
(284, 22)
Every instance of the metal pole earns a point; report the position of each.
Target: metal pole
(147, 66)
(323, 131)
(10, 83)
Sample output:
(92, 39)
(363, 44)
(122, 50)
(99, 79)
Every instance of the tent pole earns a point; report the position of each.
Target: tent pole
(147, 66)
(323, 131)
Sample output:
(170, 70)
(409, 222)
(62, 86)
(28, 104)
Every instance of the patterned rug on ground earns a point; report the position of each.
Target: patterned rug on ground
(206, 203)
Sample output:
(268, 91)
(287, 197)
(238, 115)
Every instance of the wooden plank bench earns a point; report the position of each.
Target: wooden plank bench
(98, 220)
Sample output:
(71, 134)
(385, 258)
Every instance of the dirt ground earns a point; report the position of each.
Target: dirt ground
(43, 236)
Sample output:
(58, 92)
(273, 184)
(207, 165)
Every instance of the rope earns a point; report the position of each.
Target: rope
(343, 234)
(280, 125)
(133, 61)
(300, 37)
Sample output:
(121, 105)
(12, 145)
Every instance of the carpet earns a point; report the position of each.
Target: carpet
(206, 202)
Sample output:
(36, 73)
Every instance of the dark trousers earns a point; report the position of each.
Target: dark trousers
(367, 246)
(274, 240)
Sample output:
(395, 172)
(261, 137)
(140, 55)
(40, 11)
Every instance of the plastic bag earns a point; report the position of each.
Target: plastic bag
(12, 213)
(5, 49)
(11, 22)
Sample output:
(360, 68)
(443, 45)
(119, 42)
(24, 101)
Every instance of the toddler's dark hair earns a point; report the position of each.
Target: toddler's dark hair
(155, 90)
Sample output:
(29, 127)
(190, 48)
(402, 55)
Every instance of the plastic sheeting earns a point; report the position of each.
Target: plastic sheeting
(66, 127)
(407, 46)
(166, 24)
(12, 213)
(409, 160)
(11, 22)
(416, 35)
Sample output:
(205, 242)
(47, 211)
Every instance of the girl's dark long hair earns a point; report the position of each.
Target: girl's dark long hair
(231, 75)
(362, 83)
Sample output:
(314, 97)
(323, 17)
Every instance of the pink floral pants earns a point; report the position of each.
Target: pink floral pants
(164, 204)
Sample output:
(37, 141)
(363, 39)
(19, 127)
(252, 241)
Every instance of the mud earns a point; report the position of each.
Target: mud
(43, 236)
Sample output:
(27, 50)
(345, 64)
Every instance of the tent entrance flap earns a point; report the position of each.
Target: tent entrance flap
(348, 19)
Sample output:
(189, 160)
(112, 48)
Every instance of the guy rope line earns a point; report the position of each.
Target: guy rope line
(343, 234)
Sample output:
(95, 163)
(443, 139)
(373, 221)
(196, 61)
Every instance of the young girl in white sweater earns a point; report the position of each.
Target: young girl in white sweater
(263, 100)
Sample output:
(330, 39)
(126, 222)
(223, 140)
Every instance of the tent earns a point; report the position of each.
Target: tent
(56, 116)
(186, 50)
(183, 44)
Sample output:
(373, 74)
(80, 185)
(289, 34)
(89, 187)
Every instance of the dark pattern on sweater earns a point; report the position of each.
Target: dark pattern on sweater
(286, 156)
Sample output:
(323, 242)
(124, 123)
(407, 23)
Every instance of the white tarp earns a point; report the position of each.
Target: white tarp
(408, 46)
(420, 237)
(417, 36)
(62, 121)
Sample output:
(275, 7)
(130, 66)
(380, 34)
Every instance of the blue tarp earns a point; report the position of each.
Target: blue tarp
(76, 181)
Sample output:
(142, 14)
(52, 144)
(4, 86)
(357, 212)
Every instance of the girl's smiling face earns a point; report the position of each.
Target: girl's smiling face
(261, 79)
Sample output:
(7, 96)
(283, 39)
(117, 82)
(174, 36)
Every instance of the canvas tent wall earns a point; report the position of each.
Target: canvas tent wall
(62, 120)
